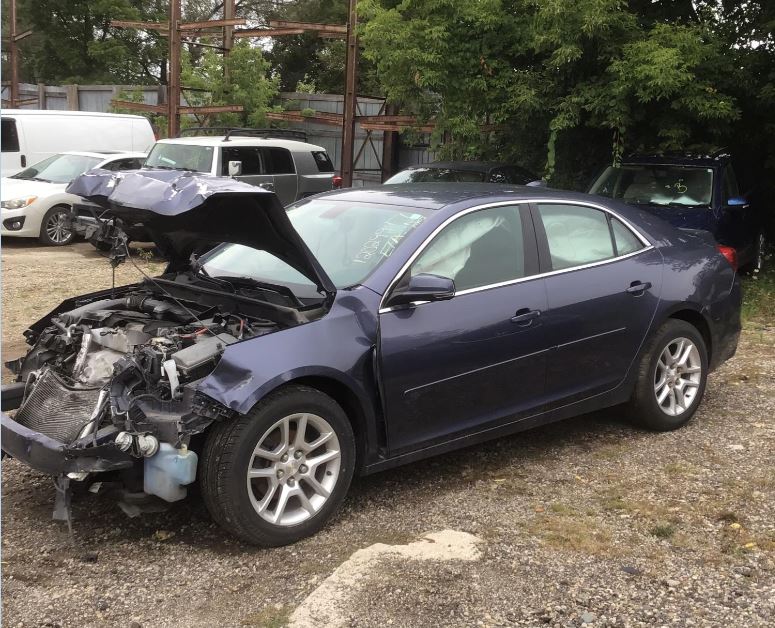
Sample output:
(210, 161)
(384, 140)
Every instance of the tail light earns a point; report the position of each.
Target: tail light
(337, 182)
(730, 253)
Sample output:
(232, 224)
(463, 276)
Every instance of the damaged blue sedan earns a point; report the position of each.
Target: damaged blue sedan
(281, 353)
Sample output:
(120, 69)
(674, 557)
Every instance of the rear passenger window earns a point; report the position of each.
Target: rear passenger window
(576, 234)
(9, 136)
(323, 161)
(626, 241)
(250, 158)
(482, 248)
(278, 161)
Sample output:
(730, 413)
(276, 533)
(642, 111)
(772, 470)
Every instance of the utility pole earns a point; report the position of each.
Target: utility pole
(173, 71)
(228, 37)
(350, 96)
(13, 58)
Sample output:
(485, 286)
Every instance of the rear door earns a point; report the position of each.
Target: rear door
(475, 361)
(279, 163)
(602, 289)
(253, 166)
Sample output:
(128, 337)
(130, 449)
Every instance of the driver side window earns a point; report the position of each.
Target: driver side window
(481, 248)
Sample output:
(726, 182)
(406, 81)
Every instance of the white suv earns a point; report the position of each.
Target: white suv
(276, 160)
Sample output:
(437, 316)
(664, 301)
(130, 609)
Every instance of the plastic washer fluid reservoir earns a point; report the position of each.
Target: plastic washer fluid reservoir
(167, 472)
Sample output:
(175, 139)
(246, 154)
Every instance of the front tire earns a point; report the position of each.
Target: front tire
(671, 377)
(53, 229)
(278, 473)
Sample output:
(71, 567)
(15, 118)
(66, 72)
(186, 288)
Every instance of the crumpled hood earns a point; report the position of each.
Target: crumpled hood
(186, 212)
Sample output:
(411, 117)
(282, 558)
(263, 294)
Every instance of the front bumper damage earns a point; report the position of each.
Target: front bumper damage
(51, 456)
(97, 453)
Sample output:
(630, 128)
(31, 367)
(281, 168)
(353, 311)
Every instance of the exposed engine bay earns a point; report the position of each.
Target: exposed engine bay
(129, 362)
(121, 372)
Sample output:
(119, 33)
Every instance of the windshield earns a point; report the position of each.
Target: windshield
(429, 175)
(657, 185)
(58, 168)
(181, 157)
(348, 239)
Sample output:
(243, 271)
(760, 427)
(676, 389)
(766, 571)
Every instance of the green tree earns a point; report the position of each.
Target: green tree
(249, 84)
(570, 82)
(73, 42)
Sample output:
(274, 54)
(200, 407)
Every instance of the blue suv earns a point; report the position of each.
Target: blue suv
(690, 192)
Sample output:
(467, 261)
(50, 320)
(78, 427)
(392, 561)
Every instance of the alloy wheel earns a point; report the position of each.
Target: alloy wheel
(294, 469)
(56, 228)
(678, 376)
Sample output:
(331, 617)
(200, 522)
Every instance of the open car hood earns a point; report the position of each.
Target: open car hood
(187, 212)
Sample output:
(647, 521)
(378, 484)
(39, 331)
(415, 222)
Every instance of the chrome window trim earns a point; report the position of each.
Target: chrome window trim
(647, 246)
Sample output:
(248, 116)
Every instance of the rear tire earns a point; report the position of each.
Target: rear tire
(269, 486)
(52, 227)
(672, 374)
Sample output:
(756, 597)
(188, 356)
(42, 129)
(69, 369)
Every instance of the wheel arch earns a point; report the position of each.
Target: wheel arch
(354, 403)
(697, 320)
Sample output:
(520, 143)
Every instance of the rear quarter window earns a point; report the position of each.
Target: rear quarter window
(323, 161)
(9, 136)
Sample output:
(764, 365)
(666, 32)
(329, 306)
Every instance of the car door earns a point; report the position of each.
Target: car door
(254, 169)
(462, 365)
(279, 162)
(602, 285)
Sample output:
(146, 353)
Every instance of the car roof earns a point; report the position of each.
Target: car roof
(470, 166)
(439, 195)
(218, 140)
(106, 154)
(678, 159)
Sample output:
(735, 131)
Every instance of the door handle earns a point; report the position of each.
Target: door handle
(23, 161)
(525, 316)
(637, 288)
(267, 186)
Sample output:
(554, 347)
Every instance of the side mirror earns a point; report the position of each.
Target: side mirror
(235, 168)
(423, 287)
(737, 202)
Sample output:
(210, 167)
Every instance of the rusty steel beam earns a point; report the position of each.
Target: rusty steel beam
(350, 96)
(151, 26)
(195, 26)
(211, 109)
(321, 117)
(387, 119)
(138, 106)
(267, 32)
(371, 126)
(310, 26)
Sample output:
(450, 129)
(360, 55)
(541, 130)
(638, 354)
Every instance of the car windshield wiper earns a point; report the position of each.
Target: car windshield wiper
(16, 176)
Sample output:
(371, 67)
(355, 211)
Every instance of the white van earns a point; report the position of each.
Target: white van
(29, 136)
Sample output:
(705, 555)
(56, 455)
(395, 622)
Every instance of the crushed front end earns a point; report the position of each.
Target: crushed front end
(110, 385)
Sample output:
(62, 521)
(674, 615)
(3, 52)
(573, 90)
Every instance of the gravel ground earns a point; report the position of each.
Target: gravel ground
(585, 521)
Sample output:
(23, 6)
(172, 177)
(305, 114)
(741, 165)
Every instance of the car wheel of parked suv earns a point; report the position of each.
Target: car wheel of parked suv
(276, 474)
(671, 377)
(54, 229)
